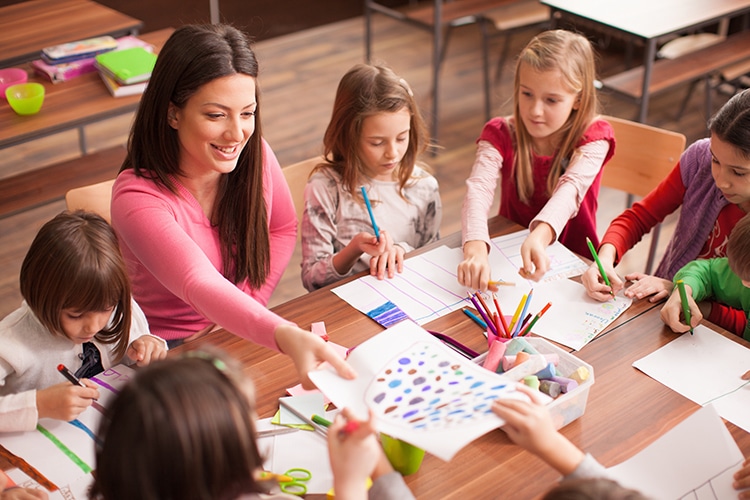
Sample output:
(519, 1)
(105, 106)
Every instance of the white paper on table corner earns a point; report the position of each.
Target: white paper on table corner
(420, 390)
(695, 459)
(705, 367)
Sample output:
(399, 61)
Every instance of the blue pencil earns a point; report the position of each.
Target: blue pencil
(517, 329)
(476, 318)
(369, 210)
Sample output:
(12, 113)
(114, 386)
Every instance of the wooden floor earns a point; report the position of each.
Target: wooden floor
(299, 75)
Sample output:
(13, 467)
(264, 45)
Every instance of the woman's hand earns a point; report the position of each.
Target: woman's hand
(592, 280)
(534, 252)
(65, 401)
(645, 285)
(308, 352)
(742, 480)
(146, 349)
(474, 271)
(672, 311)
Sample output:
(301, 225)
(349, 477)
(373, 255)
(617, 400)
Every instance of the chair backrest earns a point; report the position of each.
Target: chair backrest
(644, 155)
(94, 198)
(296, 176)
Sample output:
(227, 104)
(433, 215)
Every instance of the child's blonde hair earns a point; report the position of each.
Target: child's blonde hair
(573, 56)
(75, 263)
(367, 90)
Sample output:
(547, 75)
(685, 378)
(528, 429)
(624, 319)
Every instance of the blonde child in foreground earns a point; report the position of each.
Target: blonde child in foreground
(184, 428)
(77, 311)
(373, 141)
(529, 425)
(548, 156)
(725, 280)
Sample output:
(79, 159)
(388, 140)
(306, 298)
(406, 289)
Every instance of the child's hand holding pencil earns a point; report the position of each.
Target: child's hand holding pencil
(681, 318)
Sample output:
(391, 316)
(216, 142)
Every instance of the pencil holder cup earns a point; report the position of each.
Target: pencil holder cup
(25, 98)
(404, 457)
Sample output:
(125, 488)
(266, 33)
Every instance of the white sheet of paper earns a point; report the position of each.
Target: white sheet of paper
(64, 451)
(420, 390)
(300, 449)
(312, 403)
(574, 318)
(706, 368)
(694, 460)
(428, 287)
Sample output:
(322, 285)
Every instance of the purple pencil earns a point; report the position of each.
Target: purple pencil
(490, 322)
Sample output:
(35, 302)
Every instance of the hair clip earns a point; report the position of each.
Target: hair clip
(218, 363)
(406, 86)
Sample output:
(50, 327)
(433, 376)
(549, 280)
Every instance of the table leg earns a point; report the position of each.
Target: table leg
(648, 63)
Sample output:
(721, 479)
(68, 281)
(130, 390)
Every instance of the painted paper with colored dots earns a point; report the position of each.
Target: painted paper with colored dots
(420, 390)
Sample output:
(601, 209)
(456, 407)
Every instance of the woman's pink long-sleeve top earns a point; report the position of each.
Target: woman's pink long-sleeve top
(175, 264)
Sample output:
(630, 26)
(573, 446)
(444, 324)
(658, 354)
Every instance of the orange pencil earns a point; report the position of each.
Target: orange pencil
(484, 304)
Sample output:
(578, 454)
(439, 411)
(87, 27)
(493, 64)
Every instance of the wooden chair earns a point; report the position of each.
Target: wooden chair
(94, 198)
(644, 155)
(505, 21)
(296, 176)
(437, 17)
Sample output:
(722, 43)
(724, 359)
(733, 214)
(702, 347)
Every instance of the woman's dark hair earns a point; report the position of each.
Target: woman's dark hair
(193, 56)
(732, 123)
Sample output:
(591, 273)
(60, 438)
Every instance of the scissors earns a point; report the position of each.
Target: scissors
(292, 482)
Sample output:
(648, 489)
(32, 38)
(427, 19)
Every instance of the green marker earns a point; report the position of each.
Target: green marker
(685, 304)
(321, 421)
(601, 267)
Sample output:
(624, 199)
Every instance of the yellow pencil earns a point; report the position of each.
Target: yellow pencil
(517, 313)
(501, 283)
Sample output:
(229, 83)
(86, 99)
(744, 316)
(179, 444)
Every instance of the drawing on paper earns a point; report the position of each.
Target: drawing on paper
(423, 389)
(387, 314)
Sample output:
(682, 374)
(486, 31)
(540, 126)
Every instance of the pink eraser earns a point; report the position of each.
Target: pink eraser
(494, 355)
(319, 329)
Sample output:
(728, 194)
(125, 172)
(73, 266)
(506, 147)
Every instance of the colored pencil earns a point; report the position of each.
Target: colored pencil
(484, 304)
(476, 318)
(501, 283)
(486, 319)
(502, 317)
(517, 329)
(600, 266)
(685, 304)
(516, 314)
(536, 317)
(369, 211)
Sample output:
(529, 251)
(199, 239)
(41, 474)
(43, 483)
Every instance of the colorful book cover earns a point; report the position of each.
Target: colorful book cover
(128, 66)
(57, 73)
(118, 90)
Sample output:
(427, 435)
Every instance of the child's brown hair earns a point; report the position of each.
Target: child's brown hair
(184, 428)
(366, 90)
(75, 263)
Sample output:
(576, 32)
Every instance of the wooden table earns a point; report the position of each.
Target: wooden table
(69, 105)
(626, 409)
(650, 20)
(28, 27)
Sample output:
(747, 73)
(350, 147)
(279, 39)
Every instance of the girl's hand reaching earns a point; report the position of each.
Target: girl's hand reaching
(742, 480)
(355, 454)
(65, 401)
(474, 271)
(645, 285)
(308, 352)
(534, 252)
(529, 425)
(592, 280)
(671, 313)
(146, 349)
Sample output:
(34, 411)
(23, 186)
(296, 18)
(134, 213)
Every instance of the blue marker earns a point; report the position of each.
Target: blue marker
(369, 210)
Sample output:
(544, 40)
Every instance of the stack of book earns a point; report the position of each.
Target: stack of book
(126, 72)
(61, 63)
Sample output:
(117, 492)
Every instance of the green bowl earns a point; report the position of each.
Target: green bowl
(25, 98)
